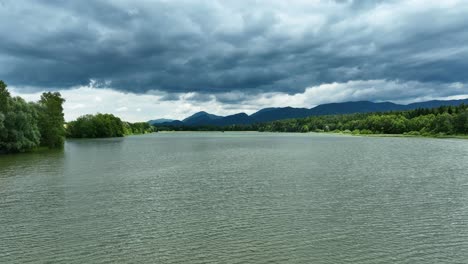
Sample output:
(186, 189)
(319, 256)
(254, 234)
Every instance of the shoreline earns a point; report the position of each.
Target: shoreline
(398, 135)
(331, 133)
(38, 150)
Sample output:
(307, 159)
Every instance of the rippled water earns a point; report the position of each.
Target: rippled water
(237, 198)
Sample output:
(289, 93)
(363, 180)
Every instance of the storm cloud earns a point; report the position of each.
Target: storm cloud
(235, 51)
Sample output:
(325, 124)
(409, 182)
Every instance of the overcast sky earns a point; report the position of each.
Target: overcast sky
(147, 59)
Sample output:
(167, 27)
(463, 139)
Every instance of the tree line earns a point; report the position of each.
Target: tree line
(444, 120)
(26, 126)
(105, 125)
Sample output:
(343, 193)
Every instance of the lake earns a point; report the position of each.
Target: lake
(240, 197)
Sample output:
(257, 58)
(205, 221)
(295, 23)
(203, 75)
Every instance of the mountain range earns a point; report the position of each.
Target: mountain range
(278, 113)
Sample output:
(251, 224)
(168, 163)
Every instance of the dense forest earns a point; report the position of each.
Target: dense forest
(26, 126)
(444, 120)
(105, 125)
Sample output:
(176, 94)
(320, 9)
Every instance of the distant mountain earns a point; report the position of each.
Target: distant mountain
(175, 123)
(160, 120)
(237, 119)
(273, 114)
(435, 103)
(353, 107)
(201, 118)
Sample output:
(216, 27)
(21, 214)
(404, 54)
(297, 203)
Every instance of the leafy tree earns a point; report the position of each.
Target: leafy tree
(461, 122)
(140, 128)
(4, 97)
(24, 126)
(18, 124)
(96, 126)
(105, 125)
(18, 128)
(443, 123)
(51, 120)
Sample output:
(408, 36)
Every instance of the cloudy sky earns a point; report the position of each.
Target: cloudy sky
(146, 59)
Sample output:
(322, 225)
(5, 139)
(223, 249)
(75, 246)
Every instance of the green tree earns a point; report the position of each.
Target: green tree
(51, 120)
(18, 123)
(4, 100)
(461, 122)
(18, 128)
(443, 123)
(96, 126)
(4, 97)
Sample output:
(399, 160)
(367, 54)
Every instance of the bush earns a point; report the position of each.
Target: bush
(366, 132)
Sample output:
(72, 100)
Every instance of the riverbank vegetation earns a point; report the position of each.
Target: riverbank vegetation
(27, 126)
(441, 121)
(445, 120)
(105, 125)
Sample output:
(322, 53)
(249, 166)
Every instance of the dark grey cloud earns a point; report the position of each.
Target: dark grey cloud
(218, 47)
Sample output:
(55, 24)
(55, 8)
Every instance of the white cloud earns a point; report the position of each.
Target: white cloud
(143, 107)
(122, 109)
(370, 90)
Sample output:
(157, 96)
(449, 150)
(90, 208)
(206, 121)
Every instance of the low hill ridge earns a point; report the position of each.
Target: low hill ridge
(279, 113)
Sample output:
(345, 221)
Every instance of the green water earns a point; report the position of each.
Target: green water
(237, 198)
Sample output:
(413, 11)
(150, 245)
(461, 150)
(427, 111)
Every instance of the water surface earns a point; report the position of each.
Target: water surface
(237, 198)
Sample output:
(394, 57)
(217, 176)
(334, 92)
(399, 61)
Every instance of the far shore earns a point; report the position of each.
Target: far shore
(396, 135)
(334, 133)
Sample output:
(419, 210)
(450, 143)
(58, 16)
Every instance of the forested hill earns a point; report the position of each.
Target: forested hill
(440, 121)
(444, 120)
(273, 114)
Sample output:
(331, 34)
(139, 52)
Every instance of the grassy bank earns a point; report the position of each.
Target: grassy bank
(405, 135)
